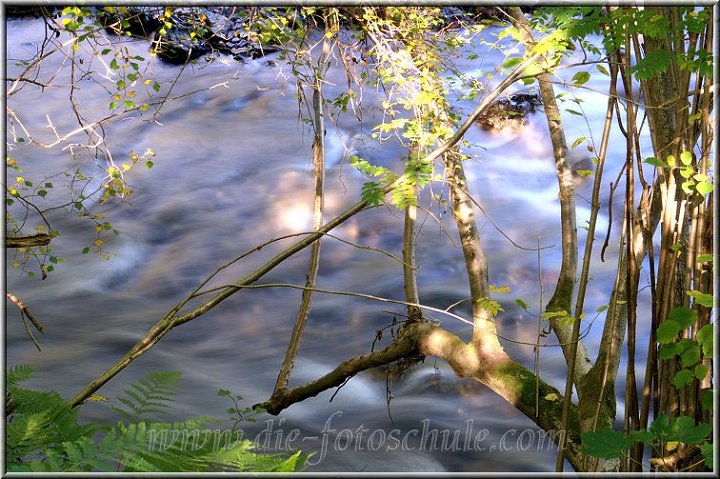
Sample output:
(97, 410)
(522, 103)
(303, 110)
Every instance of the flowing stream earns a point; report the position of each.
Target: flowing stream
(233, 170)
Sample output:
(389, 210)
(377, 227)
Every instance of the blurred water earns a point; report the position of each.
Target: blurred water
(233, 170)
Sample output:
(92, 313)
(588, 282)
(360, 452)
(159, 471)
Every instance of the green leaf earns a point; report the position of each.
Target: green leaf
(685, 317)
(602, 70)
(704, 187)
(580, 78)
(85, 250)
(687, 172)
(703, 299)
(705, 258)
(660, 428)
(691, 355)
(605, 443)
(643, 436)
(671, 160)
(574, 112)
(578, 141)
(499, 289)
(707, 451)
(554, 314)
(688, 432)
(522, 304)
(669, 351)
(706, 400)
(372, 193)
(667, 331)
(686, 158)
(705, 337)
(512, 61)
(700, 372)
(683, 378)
(655, 162)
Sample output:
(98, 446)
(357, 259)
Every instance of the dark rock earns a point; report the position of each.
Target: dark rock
(509, 112)
(187, 39)
(29, 11)
(138, 21)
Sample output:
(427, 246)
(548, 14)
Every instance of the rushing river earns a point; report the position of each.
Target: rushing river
(232, 171)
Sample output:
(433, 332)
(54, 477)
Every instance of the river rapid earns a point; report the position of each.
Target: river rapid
(232, 170)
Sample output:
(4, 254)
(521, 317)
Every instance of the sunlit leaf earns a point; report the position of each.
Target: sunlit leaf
(703, 299)
(580, 78)
(686, 158)
(704, 187)
(705, 338)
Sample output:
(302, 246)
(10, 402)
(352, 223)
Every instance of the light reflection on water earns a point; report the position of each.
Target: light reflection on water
(233, 171)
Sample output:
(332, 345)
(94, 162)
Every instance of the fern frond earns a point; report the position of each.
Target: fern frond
(18, 374)
(43, 435)
(151, 395)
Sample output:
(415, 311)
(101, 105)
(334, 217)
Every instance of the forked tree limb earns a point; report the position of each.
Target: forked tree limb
(575, 352)
(509, 379)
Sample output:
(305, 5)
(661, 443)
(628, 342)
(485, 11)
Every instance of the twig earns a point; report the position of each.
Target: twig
(26, 314)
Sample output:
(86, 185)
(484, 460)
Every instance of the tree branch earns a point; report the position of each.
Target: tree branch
(40, 239)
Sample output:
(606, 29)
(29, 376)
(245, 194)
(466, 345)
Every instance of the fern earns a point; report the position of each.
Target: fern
(151, 395)
(18, 374)
(43, 435)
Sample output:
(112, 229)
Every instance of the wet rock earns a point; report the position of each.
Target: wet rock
(136, 20)
(232, 38)
(187, 39)
(509, 112)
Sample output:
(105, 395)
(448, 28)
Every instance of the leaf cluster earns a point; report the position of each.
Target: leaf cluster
(609, 444)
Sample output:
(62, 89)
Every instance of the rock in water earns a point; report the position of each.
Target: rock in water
(509, 113)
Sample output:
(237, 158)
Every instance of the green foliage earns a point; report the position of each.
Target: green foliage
(605, 443)
(694, 179)
(490, 305)
(610, 444)
(43, 435)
